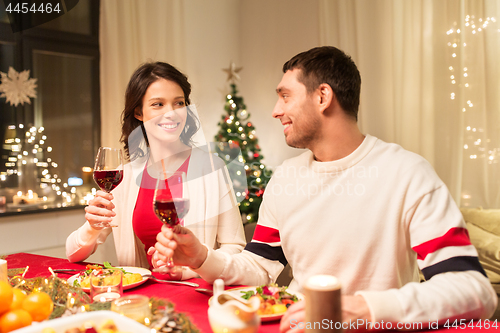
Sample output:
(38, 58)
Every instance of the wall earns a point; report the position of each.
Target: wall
(46, 234)
(267, 29)
(255, 35)
(211, 41)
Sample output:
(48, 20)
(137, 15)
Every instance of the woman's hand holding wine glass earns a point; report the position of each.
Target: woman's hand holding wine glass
(100, 212)
(108, 174)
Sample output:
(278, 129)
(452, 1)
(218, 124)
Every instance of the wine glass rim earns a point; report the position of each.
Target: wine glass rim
(109, 148)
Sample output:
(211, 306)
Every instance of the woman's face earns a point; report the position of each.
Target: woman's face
(163, 111)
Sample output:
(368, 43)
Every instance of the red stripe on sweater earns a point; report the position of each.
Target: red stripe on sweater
(266, 234)
(454, 237)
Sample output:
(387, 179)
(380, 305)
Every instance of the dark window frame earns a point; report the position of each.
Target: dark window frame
(47, 40)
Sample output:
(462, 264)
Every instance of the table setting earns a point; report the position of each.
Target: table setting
(179, 301)
(180, 307)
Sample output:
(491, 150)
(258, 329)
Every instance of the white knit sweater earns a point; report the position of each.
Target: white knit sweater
(371, 219)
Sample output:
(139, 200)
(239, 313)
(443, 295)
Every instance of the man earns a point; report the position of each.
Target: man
(353, 206)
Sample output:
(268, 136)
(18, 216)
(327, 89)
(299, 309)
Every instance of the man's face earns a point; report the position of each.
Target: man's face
(296, 110)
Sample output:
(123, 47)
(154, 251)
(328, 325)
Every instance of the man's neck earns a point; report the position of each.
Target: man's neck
(337, 142)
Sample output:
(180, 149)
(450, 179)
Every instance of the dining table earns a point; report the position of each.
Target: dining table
(186, 299)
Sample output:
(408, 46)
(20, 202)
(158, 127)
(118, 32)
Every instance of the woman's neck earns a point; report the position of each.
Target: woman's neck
(171, 155)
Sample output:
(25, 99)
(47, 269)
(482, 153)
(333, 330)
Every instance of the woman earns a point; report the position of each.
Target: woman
(157, 133)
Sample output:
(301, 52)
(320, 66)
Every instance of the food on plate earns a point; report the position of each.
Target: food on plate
(89, 327)
(83, 279)
(273, 299)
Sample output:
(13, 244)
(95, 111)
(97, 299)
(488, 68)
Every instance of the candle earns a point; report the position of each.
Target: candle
(20, 199)
(323, 303)
(3, 270)
(106, 297)
(135, 307)
(87, 174)
(106, 285)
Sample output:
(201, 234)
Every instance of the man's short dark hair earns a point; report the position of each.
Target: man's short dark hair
(327, 64)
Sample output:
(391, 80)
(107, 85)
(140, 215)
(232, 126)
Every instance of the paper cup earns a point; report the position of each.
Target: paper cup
(3, 270)
(323, 308)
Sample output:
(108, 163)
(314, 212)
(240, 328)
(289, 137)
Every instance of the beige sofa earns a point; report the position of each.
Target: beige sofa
(484, 231)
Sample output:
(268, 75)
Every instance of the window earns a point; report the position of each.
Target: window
(47, 145)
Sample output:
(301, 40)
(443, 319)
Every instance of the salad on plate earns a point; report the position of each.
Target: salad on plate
(273, 299)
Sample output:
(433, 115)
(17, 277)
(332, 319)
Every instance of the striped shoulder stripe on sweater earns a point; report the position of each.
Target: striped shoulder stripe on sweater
(266, 243)
(451, 252)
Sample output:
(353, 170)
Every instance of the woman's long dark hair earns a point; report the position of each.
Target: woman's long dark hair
(142, 78)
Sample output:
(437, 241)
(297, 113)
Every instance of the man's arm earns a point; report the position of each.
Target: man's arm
(242, 268)
(261, 261)
(456, 285)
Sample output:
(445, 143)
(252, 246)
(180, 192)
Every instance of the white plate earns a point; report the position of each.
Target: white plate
(60, 325)
(140, 270)
(270, 317)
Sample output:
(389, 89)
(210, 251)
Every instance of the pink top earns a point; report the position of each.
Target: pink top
(145, 222)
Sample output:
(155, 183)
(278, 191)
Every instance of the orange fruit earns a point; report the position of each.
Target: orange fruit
(39, 305)
(6, 296)
(18, 299)
(13, 320)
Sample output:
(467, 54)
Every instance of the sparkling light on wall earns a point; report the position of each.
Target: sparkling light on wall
(460, 78)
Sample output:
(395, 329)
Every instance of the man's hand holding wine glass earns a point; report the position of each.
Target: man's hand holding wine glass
(189, 251)
(171, 200)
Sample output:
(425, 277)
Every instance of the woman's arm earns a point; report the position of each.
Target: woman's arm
(81, 243)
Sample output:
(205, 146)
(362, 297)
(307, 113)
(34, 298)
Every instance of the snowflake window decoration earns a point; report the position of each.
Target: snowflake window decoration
(17, 87)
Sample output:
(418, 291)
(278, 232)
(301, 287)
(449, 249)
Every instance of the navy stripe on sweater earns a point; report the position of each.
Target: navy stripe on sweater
(267, 251)
(455, 264)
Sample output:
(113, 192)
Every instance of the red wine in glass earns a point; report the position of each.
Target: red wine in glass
(171, 210)
(108, 171)
(107, 180)
(171, 199)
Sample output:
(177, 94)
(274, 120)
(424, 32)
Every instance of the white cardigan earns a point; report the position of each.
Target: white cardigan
(214, 216)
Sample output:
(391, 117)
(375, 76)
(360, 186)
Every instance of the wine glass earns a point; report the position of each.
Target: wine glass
(108, 170)
(171, 199)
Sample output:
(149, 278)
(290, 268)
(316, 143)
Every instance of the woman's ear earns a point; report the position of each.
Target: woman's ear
(138, 113)
(326, 96)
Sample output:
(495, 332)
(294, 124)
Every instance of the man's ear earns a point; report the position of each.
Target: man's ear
(326, 96)
(138, 113)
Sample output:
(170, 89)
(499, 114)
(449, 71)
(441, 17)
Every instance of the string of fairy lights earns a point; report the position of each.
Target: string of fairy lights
(32, 149)
(460, 77)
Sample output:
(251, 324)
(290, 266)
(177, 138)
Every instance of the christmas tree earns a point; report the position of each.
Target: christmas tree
(239, 133)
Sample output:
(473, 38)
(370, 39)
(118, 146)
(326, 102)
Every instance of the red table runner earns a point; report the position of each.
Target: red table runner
(185, 298)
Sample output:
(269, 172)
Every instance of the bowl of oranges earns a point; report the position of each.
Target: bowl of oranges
(18, 309)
